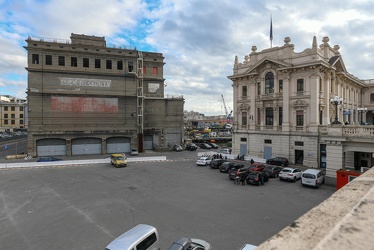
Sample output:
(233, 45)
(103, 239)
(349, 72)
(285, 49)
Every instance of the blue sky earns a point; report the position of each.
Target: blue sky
(199, 38)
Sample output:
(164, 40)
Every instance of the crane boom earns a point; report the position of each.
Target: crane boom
(224, 105)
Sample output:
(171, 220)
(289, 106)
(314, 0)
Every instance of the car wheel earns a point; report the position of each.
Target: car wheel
(294, 179)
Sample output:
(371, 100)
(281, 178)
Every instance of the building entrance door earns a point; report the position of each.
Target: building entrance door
(299, 157)
(268, 151)
(243, 149)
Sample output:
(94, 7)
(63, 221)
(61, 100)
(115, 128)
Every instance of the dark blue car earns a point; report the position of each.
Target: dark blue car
(48, 158)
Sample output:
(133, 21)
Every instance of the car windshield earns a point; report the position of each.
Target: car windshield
(120, 158)
(269, 168)
(286, 170)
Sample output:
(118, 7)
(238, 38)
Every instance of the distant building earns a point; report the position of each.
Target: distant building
(282, 107)
(86, 97)
(13, 114)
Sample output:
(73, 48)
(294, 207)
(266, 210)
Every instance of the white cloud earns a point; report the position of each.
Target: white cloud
(199, 38)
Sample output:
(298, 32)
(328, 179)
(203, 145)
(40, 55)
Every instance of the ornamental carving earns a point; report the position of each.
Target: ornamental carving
(299, 104)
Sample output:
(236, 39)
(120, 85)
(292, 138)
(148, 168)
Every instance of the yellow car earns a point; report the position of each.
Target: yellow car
(118, 160)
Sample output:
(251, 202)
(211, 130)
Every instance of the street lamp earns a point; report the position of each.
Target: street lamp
(361, 111)
(336, 101)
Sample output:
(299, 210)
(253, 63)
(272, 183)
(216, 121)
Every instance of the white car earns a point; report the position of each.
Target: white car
(134, 151)
(203, 161)
(291, 174)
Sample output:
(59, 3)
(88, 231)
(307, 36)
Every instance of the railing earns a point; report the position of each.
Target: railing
(358, 131)
(65, 41)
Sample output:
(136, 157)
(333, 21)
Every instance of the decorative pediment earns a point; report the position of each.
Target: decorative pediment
(244, 107)
(300, 104)
(268, 63)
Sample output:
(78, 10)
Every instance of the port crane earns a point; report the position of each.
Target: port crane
(228, 115)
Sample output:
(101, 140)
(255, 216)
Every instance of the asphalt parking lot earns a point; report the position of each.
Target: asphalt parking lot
(86, 207)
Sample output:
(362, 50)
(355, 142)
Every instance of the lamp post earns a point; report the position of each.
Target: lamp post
(361, 111)
(336, 101)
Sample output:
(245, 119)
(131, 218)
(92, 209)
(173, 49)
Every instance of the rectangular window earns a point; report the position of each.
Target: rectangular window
(20, 115)
(243, 139)
(48, 59)
(20, 121)
(130, 66)
(6, 108)
(108, 64)
(280, 116)
(12, 122)
(267, 141)
(97, 64)
(299, 118)
(6, 116)
(5, 121)
(300, 86)
(12, 116)
(86, 62)
(259, 88)
(20, 108)
(372, 97)
(61, 61)
(119, 65)
(35, 58)
(258, 116)
(12, 108)
(74, 61)
(144, 70)
(244, 91)
(299, 143)
(155, 71)
(280, 86)
(244, 118)
(269, 116)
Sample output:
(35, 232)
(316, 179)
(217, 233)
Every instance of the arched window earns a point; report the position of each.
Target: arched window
(269, 83)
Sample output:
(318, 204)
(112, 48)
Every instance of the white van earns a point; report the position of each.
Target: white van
(141, 237)
(312, 177)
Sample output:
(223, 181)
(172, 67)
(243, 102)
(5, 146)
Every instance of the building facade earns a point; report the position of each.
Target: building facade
(282, 107)
(86, 97)
(13, 114)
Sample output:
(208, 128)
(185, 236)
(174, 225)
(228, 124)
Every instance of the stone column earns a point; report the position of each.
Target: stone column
(314, 101)
(252, 110)
(286, 101)
(326, 82)
(68, 147)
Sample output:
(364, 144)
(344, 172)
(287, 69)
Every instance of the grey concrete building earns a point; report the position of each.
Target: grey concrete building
(87, 97)
(284, 106)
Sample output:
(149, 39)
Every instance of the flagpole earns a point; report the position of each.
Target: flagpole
(271, 31)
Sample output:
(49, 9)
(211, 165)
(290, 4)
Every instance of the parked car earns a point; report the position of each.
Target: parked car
(280, 161)
(203, 161)
(205, 146)
(236, 170)
(224, 151)
(216, 163)
(291, 174)
(312, 177)
(213, 145)
(48, 158)
(257, 167)
(254, 178)
(191, 147)
(225, 167)
(177, 148)
(190, 244)
(273, 170)
(134, 151)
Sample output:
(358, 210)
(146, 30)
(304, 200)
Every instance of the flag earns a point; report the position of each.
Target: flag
(271, 28)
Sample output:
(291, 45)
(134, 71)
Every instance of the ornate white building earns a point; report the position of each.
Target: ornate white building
(282, 107)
